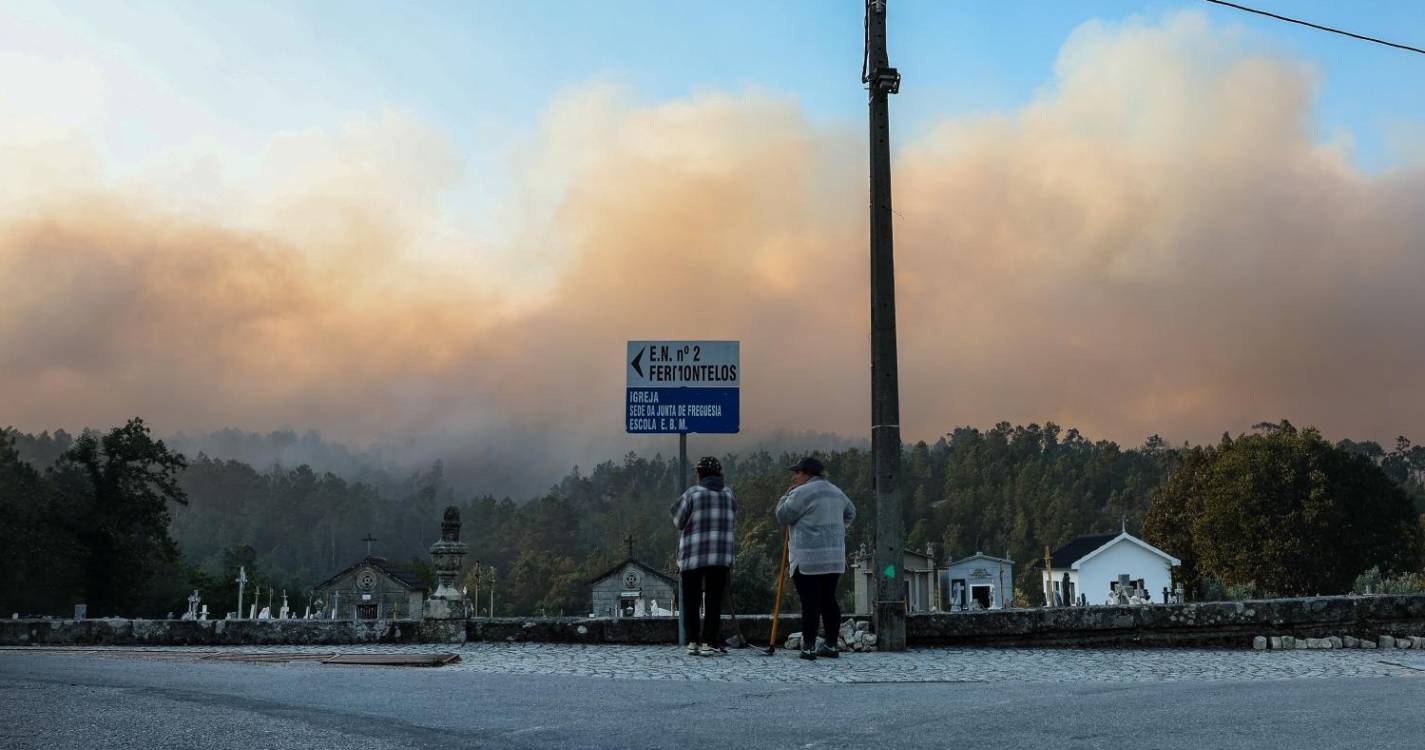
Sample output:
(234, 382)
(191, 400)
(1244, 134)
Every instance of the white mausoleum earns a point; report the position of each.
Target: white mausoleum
(1093, 565)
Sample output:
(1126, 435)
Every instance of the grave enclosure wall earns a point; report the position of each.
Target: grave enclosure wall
(1180, 625)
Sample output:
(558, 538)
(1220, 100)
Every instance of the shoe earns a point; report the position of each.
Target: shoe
(808, 655)
(827, 652)
(693, 650)
(708, 650)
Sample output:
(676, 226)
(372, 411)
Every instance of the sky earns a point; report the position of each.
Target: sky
(385, 221)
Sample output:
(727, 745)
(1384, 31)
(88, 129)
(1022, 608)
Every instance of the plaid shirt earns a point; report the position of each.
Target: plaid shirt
(706, 514)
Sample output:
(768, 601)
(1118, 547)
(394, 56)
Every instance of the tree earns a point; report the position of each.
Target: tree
(36, 540)
(121, 485)
(1285, 510)
(1169, 522)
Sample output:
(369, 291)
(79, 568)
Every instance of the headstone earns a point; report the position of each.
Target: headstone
(203, 615)
(81, 611)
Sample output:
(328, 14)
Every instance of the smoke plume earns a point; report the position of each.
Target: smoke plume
(1160, 242)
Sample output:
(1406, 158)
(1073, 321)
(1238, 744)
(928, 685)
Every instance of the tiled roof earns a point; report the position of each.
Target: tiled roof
(1067, 555)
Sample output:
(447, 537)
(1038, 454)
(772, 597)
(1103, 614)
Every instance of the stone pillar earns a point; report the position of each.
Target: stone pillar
(444, 609)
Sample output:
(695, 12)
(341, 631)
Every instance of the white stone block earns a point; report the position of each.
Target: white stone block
(1368, 644)
(1259, 643)
(1336, 642)
(1351, 642)
(1276, 642)
(1386, 641)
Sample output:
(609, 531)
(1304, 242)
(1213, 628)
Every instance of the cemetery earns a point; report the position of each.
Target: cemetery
(371, 602)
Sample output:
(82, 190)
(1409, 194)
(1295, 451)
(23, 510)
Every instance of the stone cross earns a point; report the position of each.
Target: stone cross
(369, 538)
(629, 541)
(241, 582)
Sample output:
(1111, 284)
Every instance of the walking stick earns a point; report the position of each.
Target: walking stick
(777, 605)
(732, 607)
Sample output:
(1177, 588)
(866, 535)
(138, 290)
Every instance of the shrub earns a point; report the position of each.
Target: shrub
(1374, 582)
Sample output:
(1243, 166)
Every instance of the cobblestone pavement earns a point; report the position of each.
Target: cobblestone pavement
(930, 665)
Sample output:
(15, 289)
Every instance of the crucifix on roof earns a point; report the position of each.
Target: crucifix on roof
(369, 538)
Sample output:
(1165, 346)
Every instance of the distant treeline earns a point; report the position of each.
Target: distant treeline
(137, 539)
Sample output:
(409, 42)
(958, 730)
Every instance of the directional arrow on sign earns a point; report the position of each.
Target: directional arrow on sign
(637, 363)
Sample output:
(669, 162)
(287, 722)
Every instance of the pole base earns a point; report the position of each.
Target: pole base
(890, 626)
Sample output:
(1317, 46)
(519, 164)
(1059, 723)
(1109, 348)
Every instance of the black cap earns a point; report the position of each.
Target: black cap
(709, 466)
(809, 465)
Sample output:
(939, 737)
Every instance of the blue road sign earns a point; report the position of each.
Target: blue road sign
(683, 387)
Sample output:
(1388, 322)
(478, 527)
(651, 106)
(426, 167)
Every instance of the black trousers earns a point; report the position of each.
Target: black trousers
(697, 583)
(818, 595)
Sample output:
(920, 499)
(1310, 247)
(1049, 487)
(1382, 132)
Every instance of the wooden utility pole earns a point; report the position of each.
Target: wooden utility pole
(881, 81)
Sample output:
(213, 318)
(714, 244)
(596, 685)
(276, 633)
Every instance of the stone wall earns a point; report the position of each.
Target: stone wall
(1197, 624)
(1231, 624)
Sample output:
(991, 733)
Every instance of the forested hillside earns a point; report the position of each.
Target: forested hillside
(1011, 489)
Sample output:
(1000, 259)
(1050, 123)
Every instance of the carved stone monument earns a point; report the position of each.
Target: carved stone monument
(448, 557)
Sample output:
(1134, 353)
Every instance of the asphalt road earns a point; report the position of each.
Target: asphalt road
(74, 701)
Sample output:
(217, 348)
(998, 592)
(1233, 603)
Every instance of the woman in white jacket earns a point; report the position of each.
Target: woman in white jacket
(818, 514)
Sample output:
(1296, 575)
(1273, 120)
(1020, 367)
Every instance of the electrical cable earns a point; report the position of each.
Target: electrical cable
(1244, 8)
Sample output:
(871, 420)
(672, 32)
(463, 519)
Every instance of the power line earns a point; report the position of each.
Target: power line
(1405, 47)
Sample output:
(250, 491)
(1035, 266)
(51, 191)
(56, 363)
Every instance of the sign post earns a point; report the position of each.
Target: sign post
(682, 387)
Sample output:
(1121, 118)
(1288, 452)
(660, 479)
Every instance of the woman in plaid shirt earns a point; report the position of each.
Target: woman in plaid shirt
(706, 516)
